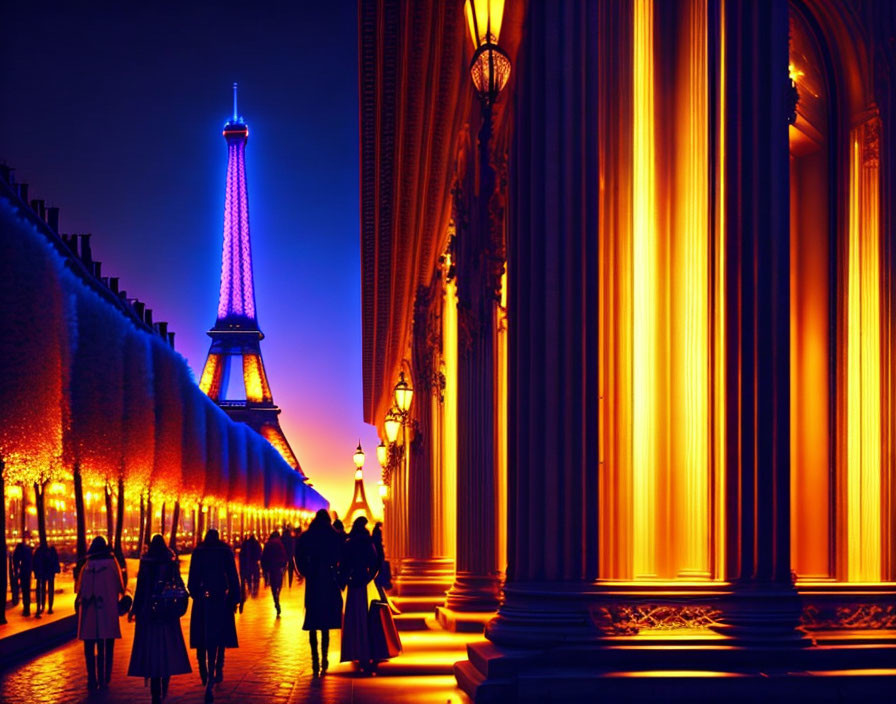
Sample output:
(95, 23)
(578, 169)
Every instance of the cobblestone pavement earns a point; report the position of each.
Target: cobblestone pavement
(271, 666)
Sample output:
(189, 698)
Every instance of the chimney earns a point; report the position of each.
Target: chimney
(38, 207)
(113, 284)
(162, 328)
(139, 307)
(23, 192)
(86, 254)
(97, 269)
(6, 173)
(123, 295)
(53, 219)
(147, 316)
(171, 339)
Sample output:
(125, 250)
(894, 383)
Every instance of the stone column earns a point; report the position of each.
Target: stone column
(480, 263)
(763, 606)
(553, 327)
(423, 571)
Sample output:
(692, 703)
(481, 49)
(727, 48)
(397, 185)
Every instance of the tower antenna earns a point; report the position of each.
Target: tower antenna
(235, 117)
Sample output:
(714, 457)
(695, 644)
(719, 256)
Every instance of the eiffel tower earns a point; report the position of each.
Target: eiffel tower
(359, 505)
(234, 375)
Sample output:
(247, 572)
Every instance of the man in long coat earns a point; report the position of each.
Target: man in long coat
(214, 586)
(318, 552)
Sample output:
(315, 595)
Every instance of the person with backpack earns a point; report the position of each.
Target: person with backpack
(98, 587)
(159, 601)
(214, 586)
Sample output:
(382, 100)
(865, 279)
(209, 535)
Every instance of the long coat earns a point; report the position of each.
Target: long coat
(359, 566)
(159, 649)
(317, 558)
(214, 587)
(99, 586)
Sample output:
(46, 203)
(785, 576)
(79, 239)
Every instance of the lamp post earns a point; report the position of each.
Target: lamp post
(480, 254)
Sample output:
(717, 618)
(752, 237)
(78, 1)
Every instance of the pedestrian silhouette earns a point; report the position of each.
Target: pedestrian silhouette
(339, 528)
(273, 562)
(160, 600)
(214, 586)
(22, 565)
(289, 544)
(98, 587)
(359, 563)
(318, 551)
(46, 567)
(250, 554)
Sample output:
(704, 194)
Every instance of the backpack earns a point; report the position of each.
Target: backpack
(169, 599)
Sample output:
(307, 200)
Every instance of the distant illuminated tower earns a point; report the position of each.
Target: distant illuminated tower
(359, 505)
(234, 375)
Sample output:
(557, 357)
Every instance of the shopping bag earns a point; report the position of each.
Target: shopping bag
(384, 640)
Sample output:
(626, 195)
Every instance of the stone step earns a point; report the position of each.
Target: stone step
(411, 621)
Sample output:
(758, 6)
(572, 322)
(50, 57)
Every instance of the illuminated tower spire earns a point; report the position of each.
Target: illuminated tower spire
(234, 375)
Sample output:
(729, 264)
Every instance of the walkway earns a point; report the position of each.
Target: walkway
(272, 666)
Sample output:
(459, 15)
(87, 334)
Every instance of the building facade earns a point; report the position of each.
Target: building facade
(643, 290)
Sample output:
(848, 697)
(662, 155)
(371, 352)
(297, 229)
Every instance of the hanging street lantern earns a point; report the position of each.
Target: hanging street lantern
(403, 394)
(490, 66)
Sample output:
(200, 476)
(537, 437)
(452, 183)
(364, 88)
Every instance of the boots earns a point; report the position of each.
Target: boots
(203, 668)
(315, 661)
(324, 646)
(219, 665)
(110, 649)
(101, 663)
(90, 658)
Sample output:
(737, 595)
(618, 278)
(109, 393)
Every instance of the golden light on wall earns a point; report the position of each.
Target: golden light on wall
(644, 277)
(671, 306)
(863, 360)
(449, 417)
(811, 309)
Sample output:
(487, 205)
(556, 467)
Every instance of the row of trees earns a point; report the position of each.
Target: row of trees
(89, 393)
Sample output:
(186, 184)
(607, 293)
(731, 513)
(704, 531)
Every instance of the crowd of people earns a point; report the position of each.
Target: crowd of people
(328, 561)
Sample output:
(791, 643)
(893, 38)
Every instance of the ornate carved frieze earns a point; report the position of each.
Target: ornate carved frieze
(629, 619)
(849, 616)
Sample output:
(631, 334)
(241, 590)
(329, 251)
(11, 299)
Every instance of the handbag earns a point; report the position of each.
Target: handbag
(124, 604)
(384, 640)
(169, 599)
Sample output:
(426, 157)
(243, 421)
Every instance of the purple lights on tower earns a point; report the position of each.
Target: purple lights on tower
(236, 304)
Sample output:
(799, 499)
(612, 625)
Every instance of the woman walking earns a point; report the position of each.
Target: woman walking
(359, 563)
(98, 588)
(214, 587)
(159, 650)
(317, 558)
(273, 562)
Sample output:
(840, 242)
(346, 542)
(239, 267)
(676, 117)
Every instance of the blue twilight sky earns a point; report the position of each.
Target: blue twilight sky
(113, 112)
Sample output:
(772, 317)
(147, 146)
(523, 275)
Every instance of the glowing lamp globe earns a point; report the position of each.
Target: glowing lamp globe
(392, 425)
(358, 457)
(384, 490)
(359, 474)
(403, 394)
(490, 67)
(382, 454)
